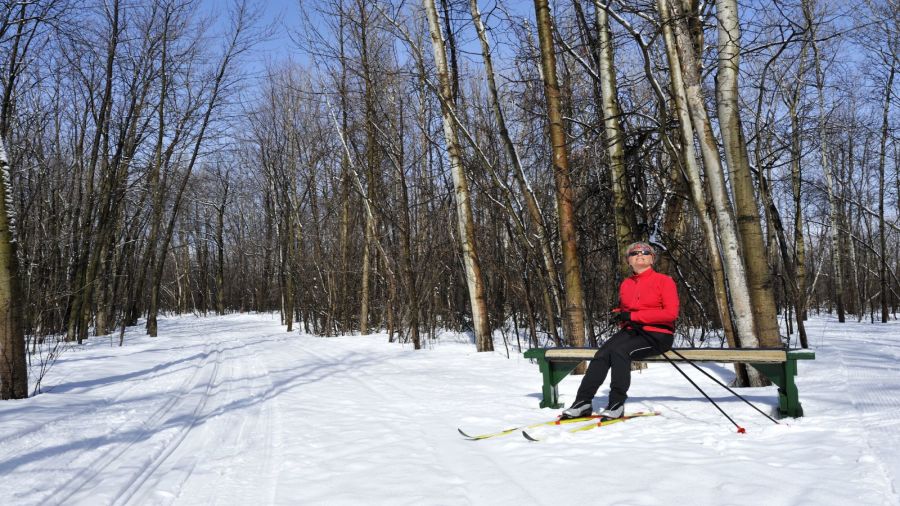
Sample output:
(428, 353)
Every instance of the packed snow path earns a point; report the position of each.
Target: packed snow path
(234, 410)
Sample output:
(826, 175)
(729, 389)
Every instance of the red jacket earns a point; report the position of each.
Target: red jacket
(651, 298)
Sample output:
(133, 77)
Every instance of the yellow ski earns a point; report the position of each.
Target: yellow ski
(525, 427)
(601, 423)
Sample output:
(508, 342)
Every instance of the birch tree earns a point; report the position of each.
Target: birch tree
(691, 168)
(825, 159)
(759, 278)
(692, 111)
(464, 221)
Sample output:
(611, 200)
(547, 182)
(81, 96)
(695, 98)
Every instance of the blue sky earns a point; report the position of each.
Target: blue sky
(284, 15)
(281, 15)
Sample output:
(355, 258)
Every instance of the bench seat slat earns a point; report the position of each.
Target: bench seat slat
(724, 355)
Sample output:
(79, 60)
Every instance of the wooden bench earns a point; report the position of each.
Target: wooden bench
(779, 365)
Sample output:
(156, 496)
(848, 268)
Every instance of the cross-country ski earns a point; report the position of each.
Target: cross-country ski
(530, 434)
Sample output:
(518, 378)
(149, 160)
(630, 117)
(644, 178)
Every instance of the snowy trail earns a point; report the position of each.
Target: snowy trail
(235, 411)
(144, 440)
(366, 412)
(164, 429)
(866, 363)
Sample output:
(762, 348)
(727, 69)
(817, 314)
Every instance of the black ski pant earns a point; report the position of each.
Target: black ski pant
(616, 354)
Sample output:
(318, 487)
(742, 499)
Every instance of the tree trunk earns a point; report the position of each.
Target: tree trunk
(409, 274)
(623, 207)
(220, 251)
(759, 276)
(13, 369)
(81, 301)
(731, 270)
(836, 263)
(882, 239)
(725, 222)
(531, 204)
(565, 194)
(799, 259)
(366, 275)
(464, 220)
(373, 168)
(231, 52)
(692, 174)
(343, 288)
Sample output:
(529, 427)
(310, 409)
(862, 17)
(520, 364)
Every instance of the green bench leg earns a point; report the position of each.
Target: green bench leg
(788, 395)
(550, 391)
(552, 373)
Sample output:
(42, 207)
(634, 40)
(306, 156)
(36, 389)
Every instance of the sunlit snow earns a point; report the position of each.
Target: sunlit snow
(235, 411)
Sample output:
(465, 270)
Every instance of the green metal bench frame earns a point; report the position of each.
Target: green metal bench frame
(779, 365)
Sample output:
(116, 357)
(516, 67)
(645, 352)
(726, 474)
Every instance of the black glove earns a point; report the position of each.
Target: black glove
(620, 317)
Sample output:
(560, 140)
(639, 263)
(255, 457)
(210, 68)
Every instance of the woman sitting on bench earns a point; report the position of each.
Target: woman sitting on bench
(648, 307)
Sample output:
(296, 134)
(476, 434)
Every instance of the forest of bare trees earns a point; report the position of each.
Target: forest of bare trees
(445, 164)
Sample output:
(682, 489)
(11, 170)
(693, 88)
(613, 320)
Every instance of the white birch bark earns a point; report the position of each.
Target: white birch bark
(826, 164)
(715, 179)
(464, 221)
(759, 276)
(743, 321)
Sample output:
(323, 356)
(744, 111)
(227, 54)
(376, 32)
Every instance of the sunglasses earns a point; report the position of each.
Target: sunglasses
(644, 252)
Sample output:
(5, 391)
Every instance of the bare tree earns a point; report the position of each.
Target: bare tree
(623, 210)
(565, 194)
(238, 42)
(825, 158)
(525, 189)
(759, 278)
(885, 53)
(13, 372)
(122, 151)
(465, 222)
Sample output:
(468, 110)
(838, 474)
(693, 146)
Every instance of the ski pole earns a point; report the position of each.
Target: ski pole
(710, 376)
(649, 340)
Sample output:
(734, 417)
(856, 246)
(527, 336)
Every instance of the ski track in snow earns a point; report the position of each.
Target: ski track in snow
(126, 459)
(95, 448)
(865, 363)
(234, 411)
(81, 487)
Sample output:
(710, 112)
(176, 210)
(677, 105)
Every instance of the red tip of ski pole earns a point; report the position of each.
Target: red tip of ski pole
(741, 430)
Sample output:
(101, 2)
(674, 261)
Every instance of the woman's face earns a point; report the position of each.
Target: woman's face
(640, 259)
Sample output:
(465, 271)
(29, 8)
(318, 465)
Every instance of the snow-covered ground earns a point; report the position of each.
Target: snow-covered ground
(235, 411)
